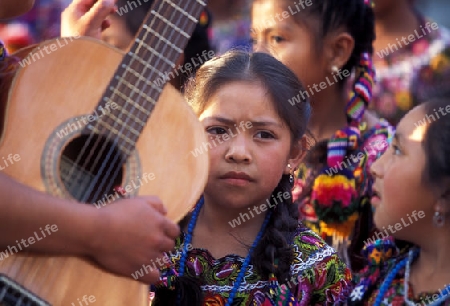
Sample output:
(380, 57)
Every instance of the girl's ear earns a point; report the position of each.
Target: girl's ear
(298, 152)
(339, 47)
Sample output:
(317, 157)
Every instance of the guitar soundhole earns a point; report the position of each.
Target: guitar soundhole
(91, 167)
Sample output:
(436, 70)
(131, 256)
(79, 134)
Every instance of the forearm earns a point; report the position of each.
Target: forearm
(26, 212)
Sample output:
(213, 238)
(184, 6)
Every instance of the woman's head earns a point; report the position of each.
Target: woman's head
(315, 34)
(413, 176)
(242, 100)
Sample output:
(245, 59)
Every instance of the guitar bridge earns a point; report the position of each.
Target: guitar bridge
(13, 294)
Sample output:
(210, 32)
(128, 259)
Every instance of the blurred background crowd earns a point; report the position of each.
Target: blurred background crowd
(405, 77)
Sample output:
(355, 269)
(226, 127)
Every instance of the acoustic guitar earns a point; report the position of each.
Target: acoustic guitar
(89, 123)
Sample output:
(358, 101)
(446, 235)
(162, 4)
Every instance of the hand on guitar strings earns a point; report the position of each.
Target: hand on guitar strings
(86, 18)
(140, 232)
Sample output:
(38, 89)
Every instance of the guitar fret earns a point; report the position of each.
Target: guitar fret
(132, 130)
(117, 132)
(192, 18)
(176, 28)
(136, 90)
(143, 110)
(141, 94)
(136, 119)
(140, 77)
(162, 38)
(137, 58)
(127, 100)
(143, 44)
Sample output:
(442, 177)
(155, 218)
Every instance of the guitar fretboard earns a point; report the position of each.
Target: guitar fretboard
(135, 87)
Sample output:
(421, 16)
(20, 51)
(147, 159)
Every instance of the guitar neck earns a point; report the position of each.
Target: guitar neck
(138, 82)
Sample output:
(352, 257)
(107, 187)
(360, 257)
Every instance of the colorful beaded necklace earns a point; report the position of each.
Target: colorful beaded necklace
(244, 267)
(442, 297)
(412, 255)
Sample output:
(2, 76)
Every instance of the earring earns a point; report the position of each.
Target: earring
(335, 69)
(438, 219)
(291, 177)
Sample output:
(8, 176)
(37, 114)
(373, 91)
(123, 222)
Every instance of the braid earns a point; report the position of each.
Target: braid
(274, 253)
(362, 93)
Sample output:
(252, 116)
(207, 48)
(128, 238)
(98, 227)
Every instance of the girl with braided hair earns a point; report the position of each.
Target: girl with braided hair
(328, 44)
(243, 244)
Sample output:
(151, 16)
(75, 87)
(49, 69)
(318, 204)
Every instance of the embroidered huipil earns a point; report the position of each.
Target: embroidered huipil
(319, 277)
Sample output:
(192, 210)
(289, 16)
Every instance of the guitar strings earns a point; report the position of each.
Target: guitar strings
(98, 139)
(146, 86)
(165, 32)
(125, 106)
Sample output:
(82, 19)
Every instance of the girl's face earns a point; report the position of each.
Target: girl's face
(401, 191)
(250, 146)
(14, 8)
(292, 44)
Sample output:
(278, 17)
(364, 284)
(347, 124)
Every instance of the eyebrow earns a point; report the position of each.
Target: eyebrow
(267, 30)
(261, 123)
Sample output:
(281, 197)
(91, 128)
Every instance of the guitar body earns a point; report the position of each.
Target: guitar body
(44, 99)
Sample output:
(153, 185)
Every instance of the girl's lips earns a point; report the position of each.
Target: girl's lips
(375, 200)
(236, 181)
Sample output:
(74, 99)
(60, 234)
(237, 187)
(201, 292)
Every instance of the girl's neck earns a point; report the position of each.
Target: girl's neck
(328, 113)
(431, 271)
(224, 231)
(388, 28)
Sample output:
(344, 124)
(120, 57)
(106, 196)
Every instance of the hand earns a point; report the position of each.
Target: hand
(131, 233)
(86, 18)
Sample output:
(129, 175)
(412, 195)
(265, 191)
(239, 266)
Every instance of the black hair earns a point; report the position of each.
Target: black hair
(436, 145)
(196, 45)
(274, 253)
